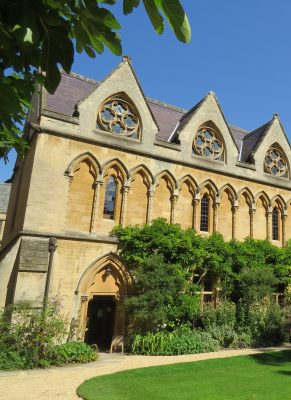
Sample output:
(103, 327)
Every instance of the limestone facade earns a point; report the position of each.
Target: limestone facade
(145, 160)
(4, 199)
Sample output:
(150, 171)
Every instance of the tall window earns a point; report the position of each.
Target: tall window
(204, 216)
(275, 224)
(110, 196)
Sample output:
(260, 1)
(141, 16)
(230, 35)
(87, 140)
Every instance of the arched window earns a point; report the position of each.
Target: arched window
(118, 116)
(275, 163)
(275, 224)
(110, 196)
(204, 215)
(207, 143)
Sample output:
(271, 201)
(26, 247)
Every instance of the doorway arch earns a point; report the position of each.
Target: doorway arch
(101, 290)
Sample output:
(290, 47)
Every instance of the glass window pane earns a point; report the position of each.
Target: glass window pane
(110, 195)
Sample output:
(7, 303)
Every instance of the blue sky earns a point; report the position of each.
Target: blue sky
(240, 50)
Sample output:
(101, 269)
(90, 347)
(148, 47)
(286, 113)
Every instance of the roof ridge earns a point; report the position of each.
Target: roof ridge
(260, 127)
(166, 105)
(80, 77)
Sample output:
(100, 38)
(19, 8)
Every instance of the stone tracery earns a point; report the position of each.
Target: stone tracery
(118, 116)
(207, 144)
(275, 163)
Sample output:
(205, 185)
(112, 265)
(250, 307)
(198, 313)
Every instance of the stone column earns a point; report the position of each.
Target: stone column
(96, 204)
(269, 223)
(215, 215)
(284, 217)
(150, 195)
(196, 201)
(125, 190)
(252, 213)
(234, 211)
(174, 199)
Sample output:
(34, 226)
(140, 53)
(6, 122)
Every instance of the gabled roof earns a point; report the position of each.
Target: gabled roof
(238, 134)
(167, 117)
(4, 196)
(252, 140)
(70, 91)
(74, 88)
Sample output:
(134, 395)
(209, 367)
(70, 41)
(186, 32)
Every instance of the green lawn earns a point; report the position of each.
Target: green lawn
(260, 377)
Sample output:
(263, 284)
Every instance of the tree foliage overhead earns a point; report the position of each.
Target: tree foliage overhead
(39, 36)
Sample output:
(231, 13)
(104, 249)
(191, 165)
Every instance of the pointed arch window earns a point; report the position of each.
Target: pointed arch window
(207, 143)
(110, 196)
(119, 116)
(275, 224)
(204, 215)
(276, 163)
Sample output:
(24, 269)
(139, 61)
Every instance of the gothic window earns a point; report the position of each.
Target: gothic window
(118, 116)
(275, 163)
(204, 215)
(275, 224)
(110, 195)
(208, 144)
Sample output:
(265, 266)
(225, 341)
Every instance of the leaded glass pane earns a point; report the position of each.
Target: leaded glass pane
(207, 144)
(275, 224)
(275, 163)
(110, 195)
(204, 216)
(118, 116)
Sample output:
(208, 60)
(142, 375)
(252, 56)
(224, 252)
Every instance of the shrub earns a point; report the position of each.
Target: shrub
(74, 352)
(265, 322)
(181, 341)
(242, 340)
(224, 334)
(223, 315)
(28, 335)
(10, 359)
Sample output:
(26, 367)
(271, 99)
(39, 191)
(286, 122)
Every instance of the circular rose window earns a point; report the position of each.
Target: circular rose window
(275, 163)
(207, 144)
(118, 116)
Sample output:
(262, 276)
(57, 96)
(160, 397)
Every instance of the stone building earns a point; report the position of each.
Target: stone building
(101, 154)
(4, 198)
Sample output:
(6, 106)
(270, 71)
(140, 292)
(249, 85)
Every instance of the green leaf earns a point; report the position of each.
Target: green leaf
(80, 4)
(93, 35)
(101, 16)
(9, 100)
(57, 49)
(112, 41)
(129, 5)
(53, 78)
(155, 17)
(177, 18)
(111, 2)
(108, 19)
(90, 52)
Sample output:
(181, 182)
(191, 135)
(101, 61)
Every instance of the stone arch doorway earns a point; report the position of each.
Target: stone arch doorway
(102, 289)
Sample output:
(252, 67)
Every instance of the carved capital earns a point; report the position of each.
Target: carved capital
(53, 243)
(234, 209)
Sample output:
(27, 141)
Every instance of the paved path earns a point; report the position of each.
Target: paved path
(60, 383)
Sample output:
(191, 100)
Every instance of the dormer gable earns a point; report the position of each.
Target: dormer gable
(269, 149)
(204, 132)
(119, 107)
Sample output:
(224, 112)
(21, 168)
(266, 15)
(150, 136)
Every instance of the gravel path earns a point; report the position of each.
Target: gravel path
(61, 382)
